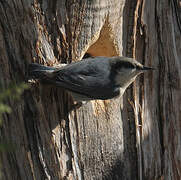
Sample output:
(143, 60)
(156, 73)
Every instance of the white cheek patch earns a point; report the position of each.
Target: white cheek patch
(126, 76)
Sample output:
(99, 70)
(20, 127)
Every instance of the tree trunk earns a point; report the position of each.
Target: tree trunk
(135, 137)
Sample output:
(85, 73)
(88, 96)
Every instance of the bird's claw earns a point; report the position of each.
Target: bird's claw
(32, 81)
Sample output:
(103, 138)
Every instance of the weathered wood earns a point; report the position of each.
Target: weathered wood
(136, 139)
(158, 43)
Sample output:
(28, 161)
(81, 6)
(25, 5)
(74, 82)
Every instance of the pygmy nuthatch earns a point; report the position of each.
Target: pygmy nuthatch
(91, 78)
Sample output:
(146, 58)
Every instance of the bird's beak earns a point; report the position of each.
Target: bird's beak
(147, 68)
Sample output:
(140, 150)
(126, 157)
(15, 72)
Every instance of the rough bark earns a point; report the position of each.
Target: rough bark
(158, 42)
(136, 139)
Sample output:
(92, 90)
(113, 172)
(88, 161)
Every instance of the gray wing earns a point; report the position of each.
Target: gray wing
(88, 77)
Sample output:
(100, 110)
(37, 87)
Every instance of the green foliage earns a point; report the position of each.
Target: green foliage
(14, 92)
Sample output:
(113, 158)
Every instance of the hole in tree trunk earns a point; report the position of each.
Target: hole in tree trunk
(105, 44)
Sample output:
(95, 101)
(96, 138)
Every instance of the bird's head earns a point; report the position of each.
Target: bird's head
(126, 70)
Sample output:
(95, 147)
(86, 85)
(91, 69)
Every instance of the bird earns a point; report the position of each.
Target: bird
(93, 78)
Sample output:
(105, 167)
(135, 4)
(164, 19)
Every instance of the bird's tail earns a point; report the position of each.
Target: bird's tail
(37, 71)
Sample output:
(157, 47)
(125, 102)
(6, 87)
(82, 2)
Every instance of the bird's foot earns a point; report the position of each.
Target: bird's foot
(32, 81)
(78, 104)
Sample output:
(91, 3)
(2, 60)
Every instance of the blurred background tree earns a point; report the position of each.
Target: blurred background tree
(12, 92)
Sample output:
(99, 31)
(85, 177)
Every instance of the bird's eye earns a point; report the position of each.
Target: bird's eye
(138, 68)
(129, 65)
